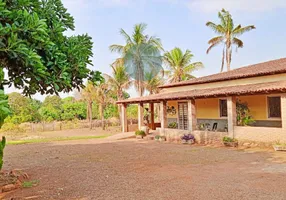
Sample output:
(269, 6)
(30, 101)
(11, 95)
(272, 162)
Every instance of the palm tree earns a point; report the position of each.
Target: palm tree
(180, 65)
(136, 53)
(152, 83)
(104, 96)
(89, 95)
(119, 81)
(228, 36)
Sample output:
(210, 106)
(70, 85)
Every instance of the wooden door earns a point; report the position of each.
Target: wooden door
(183, 116)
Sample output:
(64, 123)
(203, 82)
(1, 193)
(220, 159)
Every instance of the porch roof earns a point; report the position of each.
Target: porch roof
(250, 89)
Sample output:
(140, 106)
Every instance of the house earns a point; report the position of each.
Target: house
(209, 103)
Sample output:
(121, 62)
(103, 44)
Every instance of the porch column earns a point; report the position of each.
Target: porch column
(151, 108)
(140, 115)
(124, 118)
(163, 114)
(192, 117)
(283, 110)
(231, 115)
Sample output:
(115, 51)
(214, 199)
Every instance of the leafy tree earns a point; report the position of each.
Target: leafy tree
(35, 51)
(4, 107)
(139, 52)
(228, 36)
(72, 110)
(180, 65)
(54, 101)
(50, 113)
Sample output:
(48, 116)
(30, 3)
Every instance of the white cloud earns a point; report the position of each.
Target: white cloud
(236, 5)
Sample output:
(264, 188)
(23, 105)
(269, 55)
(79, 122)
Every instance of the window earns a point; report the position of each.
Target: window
(223, 107)
(274, 107)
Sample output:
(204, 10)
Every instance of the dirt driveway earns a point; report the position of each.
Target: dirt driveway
(126, 170)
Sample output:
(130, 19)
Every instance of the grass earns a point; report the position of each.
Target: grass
(29, 184)
(46, 140)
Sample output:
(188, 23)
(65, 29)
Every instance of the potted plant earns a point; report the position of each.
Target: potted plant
(173, 125)
(278, 146)
(157, 137)
(162, 138)
(140, 134)
(230, 142)
(188, 139)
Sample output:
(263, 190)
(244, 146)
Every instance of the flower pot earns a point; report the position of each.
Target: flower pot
(230, 144)
(279, 148)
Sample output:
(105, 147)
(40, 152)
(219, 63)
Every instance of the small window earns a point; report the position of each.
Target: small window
(223, 107)
(274, 107)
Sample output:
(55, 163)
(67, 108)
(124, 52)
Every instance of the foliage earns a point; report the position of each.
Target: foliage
(229, 139)
(188, 137)
(2, 146)
(243, 114)
(180, 65)
(73, 110)
(173, 125)
(152, 83)
(157, 137)
(110, 111)
(50, 113)
(228, 36)
(53, 101)
(119, 81)
(35, 51)
(132, 111)
(140, 133)
(4, 107)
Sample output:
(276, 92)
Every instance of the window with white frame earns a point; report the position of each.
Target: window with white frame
(274, 106)
(223, 107)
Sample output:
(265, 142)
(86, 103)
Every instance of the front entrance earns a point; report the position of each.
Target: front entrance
(183, 116)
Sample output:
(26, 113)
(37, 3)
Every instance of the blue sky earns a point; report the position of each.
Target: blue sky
(181, 23)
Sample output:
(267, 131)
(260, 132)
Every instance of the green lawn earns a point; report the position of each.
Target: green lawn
(45, 140)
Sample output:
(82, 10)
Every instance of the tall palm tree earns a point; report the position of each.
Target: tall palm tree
(89, 95)
(228, 36)
(180, 65)
(136, 47)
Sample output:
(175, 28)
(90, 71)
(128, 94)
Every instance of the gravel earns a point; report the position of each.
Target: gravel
(145, 170)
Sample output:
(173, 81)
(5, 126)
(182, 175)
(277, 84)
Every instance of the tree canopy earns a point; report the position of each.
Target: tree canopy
(35, 51)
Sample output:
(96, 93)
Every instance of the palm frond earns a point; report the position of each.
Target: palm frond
(245, 29)
(216, 28)
(237, 42)
(116, 48)
(125, 35)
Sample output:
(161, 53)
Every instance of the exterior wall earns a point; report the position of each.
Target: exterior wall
(201, 137)
(244, 81)
(260, 134)
(207, 108)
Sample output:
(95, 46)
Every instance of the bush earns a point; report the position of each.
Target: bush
(2, 146)
(173, 125)
(140, 132)
(157, 137)
(229, 139)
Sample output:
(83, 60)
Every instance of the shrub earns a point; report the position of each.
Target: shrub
(173, 125)
(229, 139)
(140, 132)
(188, 137)
(2, 146)
(157, 137)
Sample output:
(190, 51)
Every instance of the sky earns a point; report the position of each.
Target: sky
(181, 23)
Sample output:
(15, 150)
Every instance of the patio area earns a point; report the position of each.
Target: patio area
(130, 169)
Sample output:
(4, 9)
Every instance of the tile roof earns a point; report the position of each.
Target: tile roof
(261, 69)
(260, 88)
